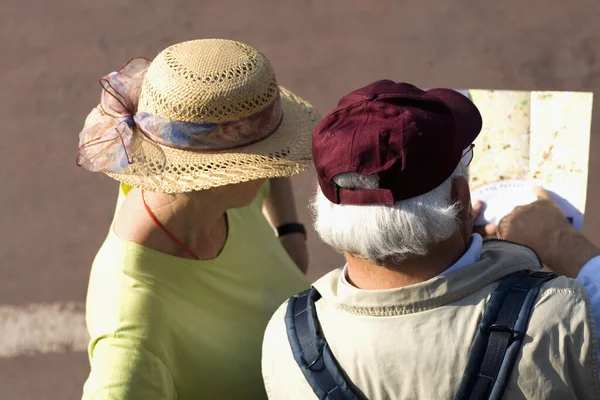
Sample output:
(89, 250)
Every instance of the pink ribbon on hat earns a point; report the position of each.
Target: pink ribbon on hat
(106, 141)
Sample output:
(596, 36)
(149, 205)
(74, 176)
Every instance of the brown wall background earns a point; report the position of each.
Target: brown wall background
(54, 216)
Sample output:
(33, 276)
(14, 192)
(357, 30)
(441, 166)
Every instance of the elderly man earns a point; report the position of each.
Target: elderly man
(424, 308)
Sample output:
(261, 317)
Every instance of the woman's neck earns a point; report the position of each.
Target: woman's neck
(191, 211)
(197, 220)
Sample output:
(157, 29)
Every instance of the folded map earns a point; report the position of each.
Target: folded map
(539, 135)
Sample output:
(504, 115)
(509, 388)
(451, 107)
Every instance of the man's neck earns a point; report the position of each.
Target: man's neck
(369, 276)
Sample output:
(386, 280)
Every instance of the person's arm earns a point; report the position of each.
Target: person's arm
(279, 209)
(542, 226)
(572, 252)
(122, 370)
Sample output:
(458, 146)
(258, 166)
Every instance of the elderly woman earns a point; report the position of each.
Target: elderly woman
(181, 290)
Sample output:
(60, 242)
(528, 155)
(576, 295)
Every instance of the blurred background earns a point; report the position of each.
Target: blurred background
(55, 216)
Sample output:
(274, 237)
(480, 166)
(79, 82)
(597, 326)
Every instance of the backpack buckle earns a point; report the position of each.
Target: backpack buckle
(514, 335)
(316, 360)
(540, 274)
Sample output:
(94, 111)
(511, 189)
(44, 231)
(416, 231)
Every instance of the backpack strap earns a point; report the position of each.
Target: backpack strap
(489, 364)
(500, 335)
(312, 353)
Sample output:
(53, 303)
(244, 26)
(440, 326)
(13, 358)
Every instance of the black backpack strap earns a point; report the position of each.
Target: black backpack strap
(312, 353)
(499, 336)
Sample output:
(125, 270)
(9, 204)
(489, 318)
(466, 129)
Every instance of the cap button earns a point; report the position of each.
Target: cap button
(370, 96)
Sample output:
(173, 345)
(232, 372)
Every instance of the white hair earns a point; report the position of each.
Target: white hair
(387, 235)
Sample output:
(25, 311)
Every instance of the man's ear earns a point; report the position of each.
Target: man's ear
(461, 193)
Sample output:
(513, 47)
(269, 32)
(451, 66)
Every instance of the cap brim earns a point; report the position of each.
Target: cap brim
(467, 118)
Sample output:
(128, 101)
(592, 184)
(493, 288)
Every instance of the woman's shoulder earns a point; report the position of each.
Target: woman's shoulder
(124, 288)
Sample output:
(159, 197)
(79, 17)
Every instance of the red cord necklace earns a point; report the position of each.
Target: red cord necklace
(169, 234)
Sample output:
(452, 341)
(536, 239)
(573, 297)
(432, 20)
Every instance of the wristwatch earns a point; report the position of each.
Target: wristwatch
(293, 227)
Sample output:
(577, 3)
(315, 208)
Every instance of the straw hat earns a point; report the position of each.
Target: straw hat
(209, 85)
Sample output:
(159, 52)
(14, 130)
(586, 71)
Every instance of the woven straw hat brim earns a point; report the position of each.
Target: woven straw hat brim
(286, 152)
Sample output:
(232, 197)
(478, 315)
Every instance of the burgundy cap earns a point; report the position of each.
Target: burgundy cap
(413, 139)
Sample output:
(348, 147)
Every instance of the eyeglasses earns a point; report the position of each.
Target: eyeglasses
(467, 155)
